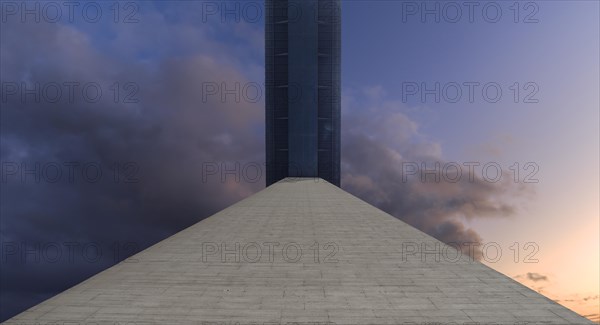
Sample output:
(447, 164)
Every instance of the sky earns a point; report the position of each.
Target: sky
(89, 179)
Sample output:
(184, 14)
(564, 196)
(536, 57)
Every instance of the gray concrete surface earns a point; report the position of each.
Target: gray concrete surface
(354, 268)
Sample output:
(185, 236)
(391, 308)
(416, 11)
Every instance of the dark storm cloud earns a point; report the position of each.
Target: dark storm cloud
(381, 143)
(161, 143)
(160, 137)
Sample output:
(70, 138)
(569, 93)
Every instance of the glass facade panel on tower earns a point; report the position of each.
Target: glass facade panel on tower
(302, 65)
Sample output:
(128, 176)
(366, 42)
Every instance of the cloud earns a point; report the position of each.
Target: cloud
(535, 277)
(151, 152)
(380, 143)
(578, 298)
(586, 305)
(535, 281)
(593, 317)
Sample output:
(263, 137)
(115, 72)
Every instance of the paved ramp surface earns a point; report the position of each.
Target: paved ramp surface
(300, 251)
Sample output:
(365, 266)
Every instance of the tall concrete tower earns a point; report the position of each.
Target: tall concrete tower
(302, 60)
